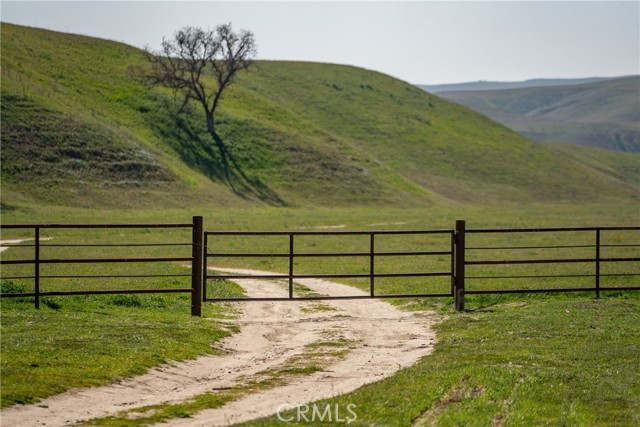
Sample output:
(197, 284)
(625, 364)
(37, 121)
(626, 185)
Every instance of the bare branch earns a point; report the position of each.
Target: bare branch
(184, 61)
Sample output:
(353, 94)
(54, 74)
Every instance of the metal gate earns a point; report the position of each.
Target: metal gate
(371, 249)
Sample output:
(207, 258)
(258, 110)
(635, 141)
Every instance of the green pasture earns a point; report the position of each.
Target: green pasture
(569, 357)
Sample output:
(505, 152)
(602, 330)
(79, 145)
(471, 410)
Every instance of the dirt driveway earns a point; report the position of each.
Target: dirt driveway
(366, 340)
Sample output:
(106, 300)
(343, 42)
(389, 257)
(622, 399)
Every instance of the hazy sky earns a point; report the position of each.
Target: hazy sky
(418, 41)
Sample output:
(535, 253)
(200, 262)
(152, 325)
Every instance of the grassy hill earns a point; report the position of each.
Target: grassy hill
(620, 166)
(78, 130)
(603, 114)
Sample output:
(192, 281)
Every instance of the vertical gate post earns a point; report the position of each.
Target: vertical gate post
(196, 267)
(291, 265)
(460, 264)
(372, 253)
(598, 263)
(36, 261)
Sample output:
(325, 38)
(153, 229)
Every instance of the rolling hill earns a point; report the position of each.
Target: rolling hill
(492, 85)
(602, 114)
(78, 130)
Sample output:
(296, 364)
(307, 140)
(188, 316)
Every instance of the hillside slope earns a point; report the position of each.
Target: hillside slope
(77, 129)
(618, 165)
(603, 114)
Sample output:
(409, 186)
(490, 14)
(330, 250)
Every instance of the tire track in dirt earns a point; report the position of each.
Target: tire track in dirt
(382, 340)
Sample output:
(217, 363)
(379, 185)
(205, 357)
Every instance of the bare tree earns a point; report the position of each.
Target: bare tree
(199, 65)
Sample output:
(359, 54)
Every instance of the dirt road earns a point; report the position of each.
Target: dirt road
(377, 338)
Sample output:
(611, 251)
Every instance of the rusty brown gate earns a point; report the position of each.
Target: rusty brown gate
(369, 252)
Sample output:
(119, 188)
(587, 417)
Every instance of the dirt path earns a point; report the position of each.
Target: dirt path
(16, 241)
(382, 340)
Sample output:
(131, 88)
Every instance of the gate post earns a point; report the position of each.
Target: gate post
(598, 263)
(460, 264)
(372, 265)
(196, 267)
(291, 265)
(36, 263)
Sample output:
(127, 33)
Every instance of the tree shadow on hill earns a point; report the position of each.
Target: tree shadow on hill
(240, 182)
(212, 157)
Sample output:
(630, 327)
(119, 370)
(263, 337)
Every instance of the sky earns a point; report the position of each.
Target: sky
(421, 42)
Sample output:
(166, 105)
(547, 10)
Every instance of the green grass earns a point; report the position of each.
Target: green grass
(81, 342)
(514, 362)
(107, 342)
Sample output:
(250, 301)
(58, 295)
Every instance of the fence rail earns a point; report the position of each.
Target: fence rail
(37, 261)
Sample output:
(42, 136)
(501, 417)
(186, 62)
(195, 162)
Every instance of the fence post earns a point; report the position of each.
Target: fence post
(290, 265)
(36, 262)
(598, 263)
(460, 264)
(372, 265)
(196, 267)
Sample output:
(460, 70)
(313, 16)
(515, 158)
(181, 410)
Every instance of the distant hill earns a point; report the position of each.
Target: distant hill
(77, 130)
(488, 85)
(603, 114)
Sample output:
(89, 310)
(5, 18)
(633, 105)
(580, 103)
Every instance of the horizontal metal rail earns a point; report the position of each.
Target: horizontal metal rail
(324, 254)
(551, 261)
(323, 276)
(529, 291)
(82, 245)
(110, 276)
(96, 260)
(527, 247)
(550, 229)
(326, 297)
(535, 276)
(323, 233)
(97, 292)
(105, 226)
(552, 276)
(551, 290)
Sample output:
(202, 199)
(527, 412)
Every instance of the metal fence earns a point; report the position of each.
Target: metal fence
(469, 261)
(289, 251)
(588, 242)
(463, 273)
(37, 261)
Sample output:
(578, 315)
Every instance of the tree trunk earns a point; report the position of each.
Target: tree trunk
(219, 144)
(210, 123)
